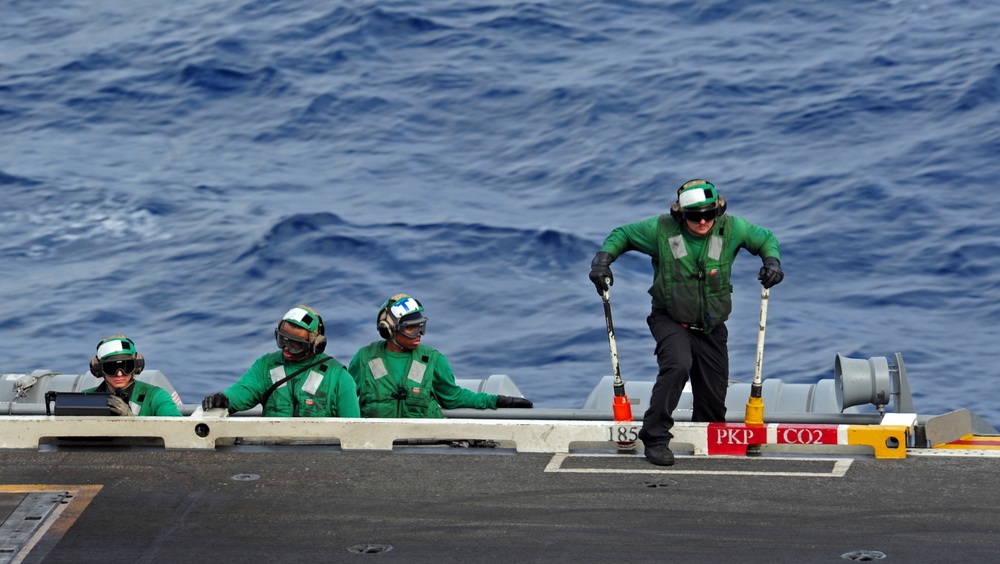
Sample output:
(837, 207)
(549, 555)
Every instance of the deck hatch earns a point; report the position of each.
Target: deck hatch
(25, 520)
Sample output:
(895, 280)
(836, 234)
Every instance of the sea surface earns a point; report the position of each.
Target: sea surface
(184, 172)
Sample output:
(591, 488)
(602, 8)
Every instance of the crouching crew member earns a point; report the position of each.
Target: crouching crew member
(118, 363)
(397, 376)
(298, 380)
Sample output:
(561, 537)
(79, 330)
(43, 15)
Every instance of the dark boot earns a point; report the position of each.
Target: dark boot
(661, 455)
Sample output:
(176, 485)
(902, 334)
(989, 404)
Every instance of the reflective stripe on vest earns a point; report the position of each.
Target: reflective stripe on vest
(277, 373)
(715, 247)
(417, 370)
(377, 368)
(312, 383)
(677, 247)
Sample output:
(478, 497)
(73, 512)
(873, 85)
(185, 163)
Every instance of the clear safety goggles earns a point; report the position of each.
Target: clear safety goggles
(292, 343)
(413, 328)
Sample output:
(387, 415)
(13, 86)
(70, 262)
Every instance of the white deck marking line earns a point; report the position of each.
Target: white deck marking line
(971, 453)
(840, 466)
(40, 533)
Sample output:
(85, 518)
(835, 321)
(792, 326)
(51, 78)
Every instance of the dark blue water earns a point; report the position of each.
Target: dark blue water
(185, 172)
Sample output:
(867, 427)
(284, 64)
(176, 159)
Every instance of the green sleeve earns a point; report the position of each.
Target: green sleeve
(249, 389)
(346, 400)
(160, 404)
(757, 240)
(639, 236)
(452, 396)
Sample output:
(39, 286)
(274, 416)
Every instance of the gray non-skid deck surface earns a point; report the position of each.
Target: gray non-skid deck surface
(468, 505)
(8, 503)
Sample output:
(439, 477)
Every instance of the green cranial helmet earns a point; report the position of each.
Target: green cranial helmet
(116, 351)
(697, 200)
(393, 311)
(306, 318)
(115, 345)
(697, 194)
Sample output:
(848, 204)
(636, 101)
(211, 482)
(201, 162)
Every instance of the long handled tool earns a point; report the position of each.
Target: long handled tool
(755, 404)
(621, 407)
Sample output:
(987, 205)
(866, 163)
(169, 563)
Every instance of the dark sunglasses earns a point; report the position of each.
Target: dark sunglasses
(295, 345)
(111, 367)
(708, 214)
(411, 330)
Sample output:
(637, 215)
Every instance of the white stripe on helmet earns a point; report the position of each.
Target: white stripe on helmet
(116, 346)
(404, 307)
(297, 314)
(692, 197)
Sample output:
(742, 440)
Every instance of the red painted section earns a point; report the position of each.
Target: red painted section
(733, 438)
(807, 435)
(622, 409)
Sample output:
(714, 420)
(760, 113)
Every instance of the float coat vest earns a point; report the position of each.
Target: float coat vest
(323, 390)
(695, 290)
(381, 394)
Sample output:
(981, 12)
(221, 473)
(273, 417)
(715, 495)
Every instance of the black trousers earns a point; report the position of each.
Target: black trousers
(683, 354)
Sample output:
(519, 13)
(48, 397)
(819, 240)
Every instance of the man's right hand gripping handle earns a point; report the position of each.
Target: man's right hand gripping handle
(600, 269)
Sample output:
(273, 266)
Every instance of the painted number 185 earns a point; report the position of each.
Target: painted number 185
(624, 433)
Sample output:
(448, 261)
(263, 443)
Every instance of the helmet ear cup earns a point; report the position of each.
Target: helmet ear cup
(384, 321)
(140, 364)
(95, 367)
(382, 324)
(319, 344)
(720, 205)
(676, 213)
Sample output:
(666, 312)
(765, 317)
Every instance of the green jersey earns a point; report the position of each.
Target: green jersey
(691, 275)
(323, 390)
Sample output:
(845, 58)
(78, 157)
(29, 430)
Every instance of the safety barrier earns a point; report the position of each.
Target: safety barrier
(205, 431)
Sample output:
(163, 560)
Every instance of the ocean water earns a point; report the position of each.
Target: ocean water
(185, 172)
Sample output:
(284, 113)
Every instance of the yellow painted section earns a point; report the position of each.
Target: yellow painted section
(755, 411)
(889, 441)
(973, 442)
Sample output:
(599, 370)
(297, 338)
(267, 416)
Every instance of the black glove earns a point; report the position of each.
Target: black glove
(770, 274)
(214, 400)
(119, 407)
(600, 268)
(510, 401)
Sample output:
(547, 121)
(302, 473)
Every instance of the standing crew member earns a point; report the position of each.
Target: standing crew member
(298, 380)
(399, 377)
(693, 249)
(118, 363)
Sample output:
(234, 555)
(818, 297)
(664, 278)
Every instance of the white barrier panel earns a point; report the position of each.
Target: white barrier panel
(205, 431)
(202, 431)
